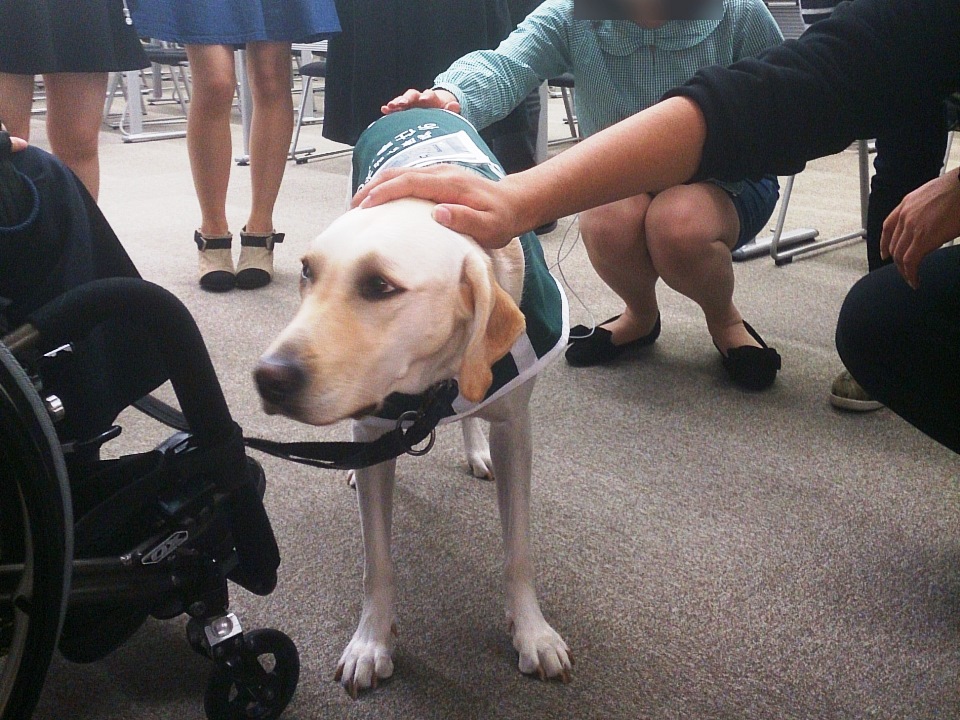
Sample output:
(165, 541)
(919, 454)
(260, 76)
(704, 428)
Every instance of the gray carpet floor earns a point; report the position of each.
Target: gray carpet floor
(707, 554)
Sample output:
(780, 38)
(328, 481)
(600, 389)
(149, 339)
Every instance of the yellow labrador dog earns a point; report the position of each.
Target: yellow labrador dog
(393, 302)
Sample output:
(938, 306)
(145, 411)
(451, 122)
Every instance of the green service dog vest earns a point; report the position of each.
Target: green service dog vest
(418, 138)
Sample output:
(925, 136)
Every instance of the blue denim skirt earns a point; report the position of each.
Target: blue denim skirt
(754, 201)
(235, 22)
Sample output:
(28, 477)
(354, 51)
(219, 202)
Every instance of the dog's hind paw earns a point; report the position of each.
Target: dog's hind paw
(480, 465)
(365, 661)
(477, 449)
(542, 652)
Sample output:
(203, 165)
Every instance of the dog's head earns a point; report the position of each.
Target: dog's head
(391, 302)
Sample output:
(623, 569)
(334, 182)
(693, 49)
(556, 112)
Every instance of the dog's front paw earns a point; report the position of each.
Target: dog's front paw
(480, 464)
(542, 651)
(366, 659)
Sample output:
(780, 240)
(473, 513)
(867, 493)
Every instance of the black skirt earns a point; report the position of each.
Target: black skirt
(51, 36)
(389, 46)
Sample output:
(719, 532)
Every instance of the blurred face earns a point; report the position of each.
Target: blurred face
(640, 10)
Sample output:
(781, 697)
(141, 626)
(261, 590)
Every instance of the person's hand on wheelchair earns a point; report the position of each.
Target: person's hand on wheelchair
(441, 99)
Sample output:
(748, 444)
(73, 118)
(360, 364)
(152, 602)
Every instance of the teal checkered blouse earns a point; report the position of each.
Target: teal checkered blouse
(619, 67)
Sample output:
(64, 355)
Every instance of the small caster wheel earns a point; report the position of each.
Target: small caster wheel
(263, 685)
(196, 638)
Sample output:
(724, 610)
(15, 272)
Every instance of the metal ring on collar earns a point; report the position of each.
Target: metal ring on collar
(411, 416)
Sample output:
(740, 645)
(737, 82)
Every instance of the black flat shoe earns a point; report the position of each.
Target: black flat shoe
(752, 368)
(582, 332)
(598, 348)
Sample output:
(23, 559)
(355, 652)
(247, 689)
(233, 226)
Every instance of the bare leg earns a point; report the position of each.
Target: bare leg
(74, 109)
(542, 651)
(16, 99)
(690, 231)
(614, 237)
(368, 656)
(208, 132)
(268, 65)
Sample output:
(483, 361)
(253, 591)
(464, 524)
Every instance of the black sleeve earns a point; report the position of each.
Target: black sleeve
(861, 73)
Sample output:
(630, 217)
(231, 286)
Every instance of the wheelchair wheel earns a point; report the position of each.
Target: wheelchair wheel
(36, 541)
(263, 687)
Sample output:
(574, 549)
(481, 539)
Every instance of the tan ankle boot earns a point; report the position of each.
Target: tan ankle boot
(216, 262)
(255, 268)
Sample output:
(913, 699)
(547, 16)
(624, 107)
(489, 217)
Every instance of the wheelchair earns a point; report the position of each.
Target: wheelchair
(91, 547)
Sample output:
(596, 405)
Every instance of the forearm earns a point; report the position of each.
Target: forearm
(487, 86)
(648, 152)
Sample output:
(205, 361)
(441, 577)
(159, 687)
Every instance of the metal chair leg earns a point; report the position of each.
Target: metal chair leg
(946, 155)
(246, 105)
(185, 77)
(178, 91)
(778, 240)
(863, 152)
(567, 94)
(112, 86)
(305, 97)
(133, 120)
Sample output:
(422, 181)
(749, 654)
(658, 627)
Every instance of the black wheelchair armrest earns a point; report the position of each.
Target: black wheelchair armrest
(184, 355)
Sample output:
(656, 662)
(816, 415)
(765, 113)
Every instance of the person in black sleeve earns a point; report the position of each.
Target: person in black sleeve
(862, 73)
(904, 162)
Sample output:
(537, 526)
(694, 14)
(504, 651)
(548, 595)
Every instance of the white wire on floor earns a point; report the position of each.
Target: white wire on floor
(561, 256)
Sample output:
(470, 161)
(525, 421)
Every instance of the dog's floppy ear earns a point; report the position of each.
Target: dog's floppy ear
(497, 323)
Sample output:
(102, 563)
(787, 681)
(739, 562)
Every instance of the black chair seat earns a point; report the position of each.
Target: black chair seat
(166, 56)
(564, 81)
(318, 68)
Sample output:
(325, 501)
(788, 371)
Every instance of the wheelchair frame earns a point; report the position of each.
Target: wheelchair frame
(182, 565)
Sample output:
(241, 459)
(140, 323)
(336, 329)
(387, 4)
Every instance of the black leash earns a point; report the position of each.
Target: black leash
(412, 428)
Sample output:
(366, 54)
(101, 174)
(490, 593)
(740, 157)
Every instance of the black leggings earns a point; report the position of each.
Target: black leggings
(903, 345)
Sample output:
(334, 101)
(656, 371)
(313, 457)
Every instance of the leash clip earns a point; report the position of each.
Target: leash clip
(431, 410)
(411, 416)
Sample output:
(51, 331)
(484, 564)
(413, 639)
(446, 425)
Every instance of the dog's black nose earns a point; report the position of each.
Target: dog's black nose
(279, 379)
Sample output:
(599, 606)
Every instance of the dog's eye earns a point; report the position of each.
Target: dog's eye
(306, 273)
(375, 287)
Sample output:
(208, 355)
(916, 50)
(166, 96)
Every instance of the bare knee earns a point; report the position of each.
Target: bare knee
(611, 230)
(269, 70)
(75, 140)
(271, 87)
(678, 228)
(213, 90)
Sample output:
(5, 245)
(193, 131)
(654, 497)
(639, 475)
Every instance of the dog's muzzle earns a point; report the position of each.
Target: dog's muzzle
(279, 380)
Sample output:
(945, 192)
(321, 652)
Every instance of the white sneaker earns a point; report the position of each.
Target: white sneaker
(846, 394)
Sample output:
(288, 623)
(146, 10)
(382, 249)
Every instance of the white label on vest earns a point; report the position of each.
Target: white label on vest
(455, 148)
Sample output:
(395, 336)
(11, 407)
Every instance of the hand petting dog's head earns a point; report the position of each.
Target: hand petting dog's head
(391, 302)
